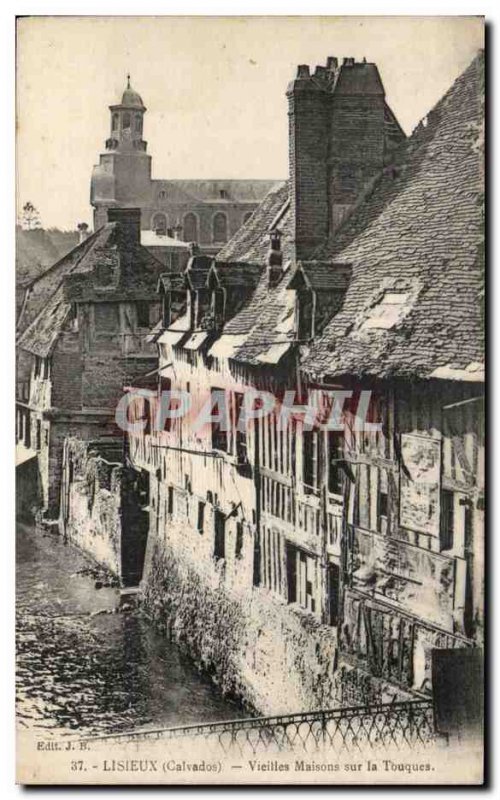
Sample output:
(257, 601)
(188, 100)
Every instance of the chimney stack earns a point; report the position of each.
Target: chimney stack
(83, 231)
(129, 220)
(337, 145)
(308, 110)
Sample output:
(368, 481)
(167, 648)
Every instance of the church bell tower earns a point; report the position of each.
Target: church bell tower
(127, 121)
(123, 176)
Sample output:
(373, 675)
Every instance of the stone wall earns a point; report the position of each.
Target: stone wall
(92, 499)
(271, 656)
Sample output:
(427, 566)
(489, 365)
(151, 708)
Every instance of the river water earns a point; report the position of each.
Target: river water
(84, 664)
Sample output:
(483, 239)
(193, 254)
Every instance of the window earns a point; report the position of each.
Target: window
(304, 314)
(239, 540)
(170, 500)
(106, 318)
(142, 311)
(138, 123)
(220, 228)
(220, 534)
(159, 224)
(201, 516)
(104, 274)
(240, 435)
(271, 567)
(333, 581)
(162, 195)
(220, 439)
(126, 120)
(335, 455)
(389, 310)
(38, 366)
(382, 502)
(247, 217)
(447, 520)
(114, 122)
(38, 435)
(310, 461)
(302, 574)
(190, 228)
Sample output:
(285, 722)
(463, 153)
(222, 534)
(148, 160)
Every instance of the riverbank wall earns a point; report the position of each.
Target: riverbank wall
(101, 509)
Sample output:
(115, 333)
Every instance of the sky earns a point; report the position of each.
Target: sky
(214, 88)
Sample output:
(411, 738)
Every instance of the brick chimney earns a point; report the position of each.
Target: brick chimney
(129, 220)
(83, 231)
(308, 148)
(336, 144)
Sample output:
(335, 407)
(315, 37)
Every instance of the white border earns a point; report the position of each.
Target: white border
(8, 11)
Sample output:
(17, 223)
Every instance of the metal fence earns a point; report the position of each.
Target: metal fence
(387, 726)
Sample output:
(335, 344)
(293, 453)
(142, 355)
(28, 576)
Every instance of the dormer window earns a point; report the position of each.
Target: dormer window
(390, 309)
(305, 314)
(104, 274)
(218, 308)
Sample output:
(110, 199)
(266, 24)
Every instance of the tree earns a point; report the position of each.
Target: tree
(30, 218)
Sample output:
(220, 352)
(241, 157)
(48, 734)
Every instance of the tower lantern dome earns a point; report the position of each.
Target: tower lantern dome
(131, 98)
(127, 120)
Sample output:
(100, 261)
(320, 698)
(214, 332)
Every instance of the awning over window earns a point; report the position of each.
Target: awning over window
(227, 345)
(195, 341)
(170, 337)
(274, 353)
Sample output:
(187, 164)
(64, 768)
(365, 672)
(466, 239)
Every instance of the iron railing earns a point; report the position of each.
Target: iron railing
(386, 726)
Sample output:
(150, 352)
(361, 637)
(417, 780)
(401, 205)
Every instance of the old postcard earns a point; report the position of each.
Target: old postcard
(249, 400)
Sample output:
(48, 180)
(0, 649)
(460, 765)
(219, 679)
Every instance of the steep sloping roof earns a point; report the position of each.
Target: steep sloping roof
(43, 287)
(416, 244)
(72, 279)
(251, 242)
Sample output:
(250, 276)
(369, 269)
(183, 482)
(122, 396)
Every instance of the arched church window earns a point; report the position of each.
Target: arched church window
(138, 123)
(114, 122)
(190, 228)
(220, 228)
(126, 120)
(159, 224)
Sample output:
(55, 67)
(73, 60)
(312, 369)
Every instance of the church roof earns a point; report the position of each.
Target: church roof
(217, 191)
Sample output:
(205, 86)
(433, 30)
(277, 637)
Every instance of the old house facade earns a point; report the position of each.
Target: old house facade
(87, 335)
(315, 511)
(208, 212)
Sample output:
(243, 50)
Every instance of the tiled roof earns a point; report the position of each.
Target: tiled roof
(320, 275)
(416, 240)
(44, 286)
(40, 337)
(72, 279)
(251, 242)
